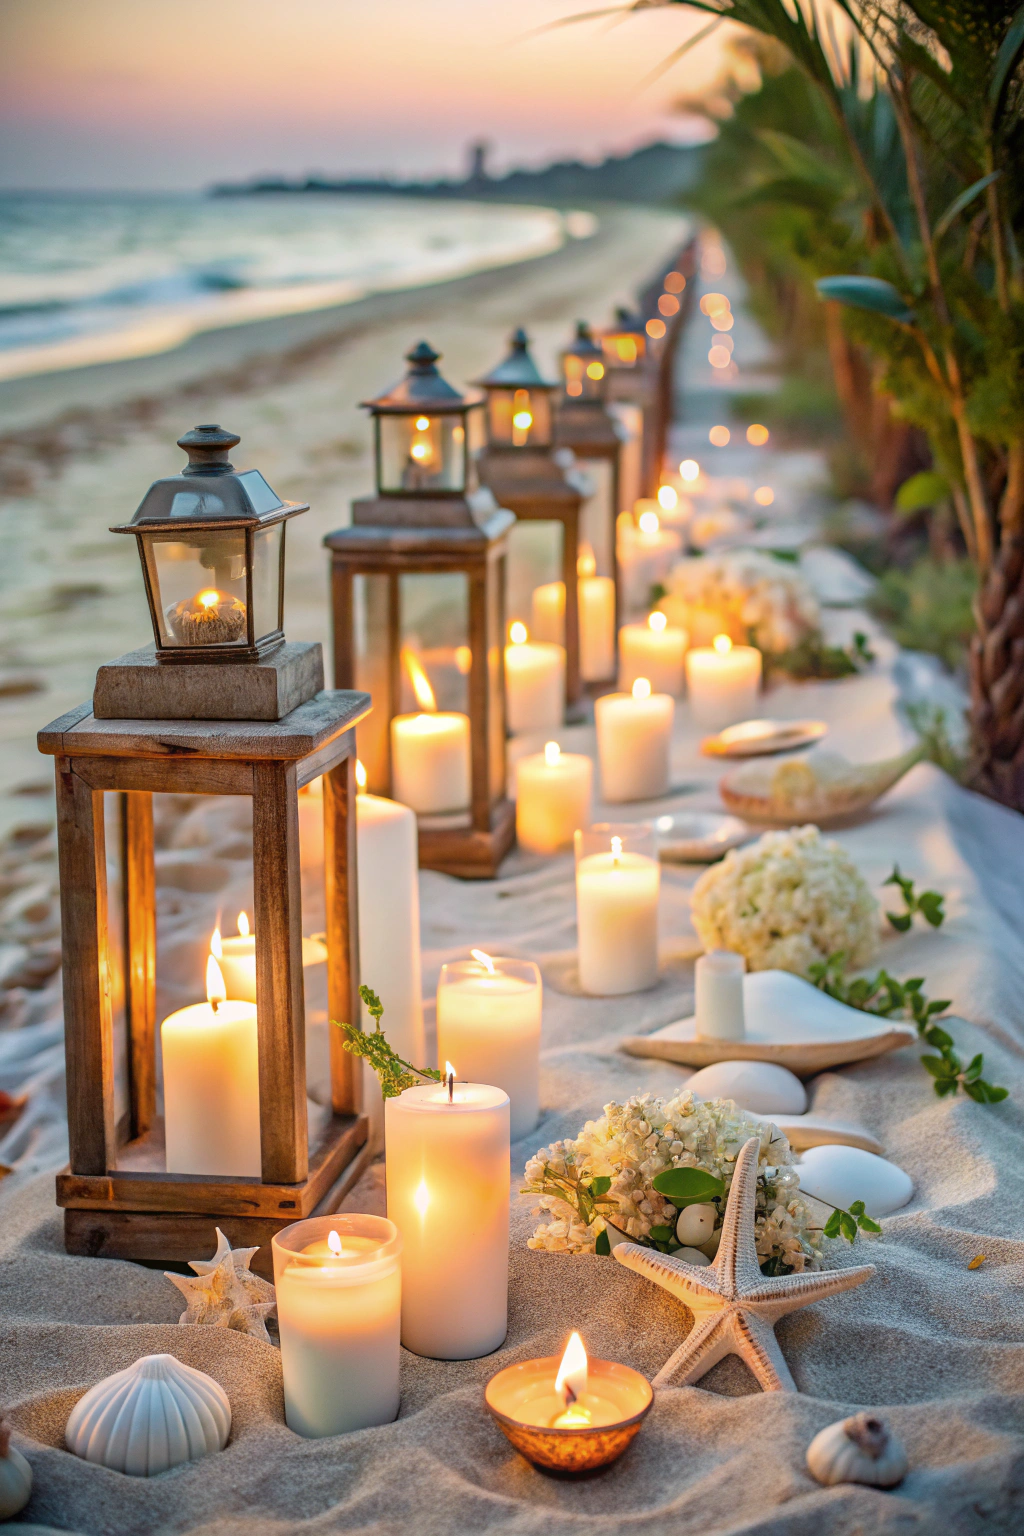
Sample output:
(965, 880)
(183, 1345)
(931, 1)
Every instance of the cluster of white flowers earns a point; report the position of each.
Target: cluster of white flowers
(761, 600)
(632, 1143)
(790, 899)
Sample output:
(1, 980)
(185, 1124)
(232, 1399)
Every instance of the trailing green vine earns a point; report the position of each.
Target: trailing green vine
(394, 1073)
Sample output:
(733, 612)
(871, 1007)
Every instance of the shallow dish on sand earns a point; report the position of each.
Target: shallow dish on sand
(698, 837)
(760, 738)
(787, 1021)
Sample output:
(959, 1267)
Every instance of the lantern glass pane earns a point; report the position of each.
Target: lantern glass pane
(435, 655)
(519, 418)
(422, 453)
(267, 556)
(584, 377)
(534, 560)
(372, 672)
(199, 589)
(496, 577)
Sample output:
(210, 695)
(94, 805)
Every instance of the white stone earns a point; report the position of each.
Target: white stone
(841, 1175)
(693, 1256)
(695, 1224)
(760, 1086)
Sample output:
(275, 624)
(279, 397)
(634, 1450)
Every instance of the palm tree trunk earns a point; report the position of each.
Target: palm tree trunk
(997, 679)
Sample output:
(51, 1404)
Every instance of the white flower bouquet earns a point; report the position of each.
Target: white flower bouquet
(748, 595)
(789, 901)
(607, 1178)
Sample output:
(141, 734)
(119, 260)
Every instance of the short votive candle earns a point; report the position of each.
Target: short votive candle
(618, 881)
(718, 984)
(554, 790)
(489, 1020)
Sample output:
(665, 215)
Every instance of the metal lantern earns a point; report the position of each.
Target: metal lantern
(539, 484)
(211, 542)
(585, 425)
(418, 600)
(624, 344)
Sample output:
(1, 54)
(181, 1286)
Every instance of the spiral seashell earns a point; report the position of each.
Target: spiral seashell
(155, 1415)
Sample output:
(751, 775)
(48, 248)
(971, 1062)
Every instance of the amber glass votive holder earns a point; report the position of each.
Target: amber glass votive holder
(521, 1396)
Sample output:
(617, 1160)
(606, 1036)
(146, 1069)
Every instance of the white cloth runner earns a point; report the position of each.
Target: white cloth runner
(935, 1346)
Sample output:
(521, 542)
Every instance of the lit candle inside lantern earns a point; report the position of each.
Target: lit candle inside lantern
(634, 736)
(553, 796)
(212, 1085)
(587, 1411)
(522, 418)
(429, 752)
(211, 617)
(654, 650)
(534, 682)
(488, 1019)
(597, 619)
(339, 1291)
(547, 611)
(723, 681)
(646, 554)
(236, 956)
(617, 892)
(447, 1169)
(421, 449)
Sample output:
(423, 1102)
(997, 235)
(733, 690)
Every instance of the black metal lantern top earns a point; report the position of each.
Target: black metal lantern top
(625, 342)
(583, 367)
(518, 399)
(211, 542)
(420, 431)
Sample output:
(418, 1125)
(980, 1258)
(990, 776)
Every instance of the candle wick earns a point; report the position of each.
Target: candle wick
(451, 1087)
(215, 1003)
(569, 1395)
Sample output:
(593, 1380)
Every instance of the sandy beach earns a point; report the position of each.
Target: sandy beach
(78, 450)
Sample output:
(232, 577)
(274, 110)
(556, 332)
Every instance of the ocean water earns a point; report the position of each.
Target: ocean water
(94, 278)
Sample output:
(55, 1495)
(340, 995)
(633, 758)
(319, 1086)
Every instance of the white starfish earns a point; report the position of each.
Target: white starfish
(226, 1294)
(735, 1307)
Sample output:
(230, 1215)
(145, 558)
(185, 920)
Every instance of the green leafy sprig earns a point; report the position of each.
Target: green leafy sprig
(882, 994)
(394, 1073)
(813, 657)
(847, 1223)
(930, 904)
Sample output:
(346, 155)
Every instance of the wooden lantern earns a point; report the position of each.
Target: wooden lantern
(537, 482)
(585, 425)
(632, 396)
(418, 601)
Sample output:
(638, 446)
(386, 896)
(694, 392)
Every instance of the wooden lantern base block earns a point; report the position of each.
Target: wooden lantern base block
(160, 1218)
(137, 687)
(465, 852)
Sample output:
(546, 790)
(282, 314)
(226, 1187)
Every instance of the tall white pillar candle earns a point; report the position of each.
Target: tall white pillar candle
(654, 650)
(634, 738)
(212, 1085)
(723, 681)
(339, 1294)
(618, 880)
(597, 628)
(547, 612)
(718, 983)
(488, 1020)
(534, 683)
(430, 762)
(646, 554)
(236, 955)
(389, 918)
(554, 790)
(447, 1170)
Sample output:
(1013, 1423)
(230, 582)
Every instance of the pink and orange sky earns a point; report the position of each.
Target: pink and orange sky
(137, 94)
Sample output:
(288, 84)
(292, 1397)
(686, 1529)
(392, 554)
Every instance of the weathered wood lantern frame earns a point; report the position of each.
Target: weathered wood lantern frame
(633, 381)
(118, 1200)
(423, 530)
(585, 425)
(523, 471)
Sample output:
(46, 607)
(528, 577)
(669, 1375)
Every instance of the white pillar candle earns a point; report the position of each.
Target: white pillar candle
(488, 1020)
(212, 1085)
(718, 984)
(634, 736)
(389, 918)
(339, 1296)
(547, 612)
(447, 1169)
(596, 601)
(534, 683)
(430, 762)
(554, 790)
(646, 554)
(617, 889)
(654, 650)
(723, 681)
(236, 956)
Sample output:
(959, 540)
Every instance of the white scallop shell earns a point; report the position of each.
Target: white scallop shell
(156, 1414)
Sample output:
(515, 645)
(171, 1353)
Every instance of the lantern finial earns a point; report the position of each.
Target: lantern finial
(207, 448)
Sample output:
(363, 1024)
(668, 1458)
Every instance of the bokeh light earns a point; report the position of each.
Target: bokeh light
(668, 304)
(675, 282)
(720, 436)
(714, 304)
(719, 357)
(668, 496)
(757, 435)
(764, 495)
(722, 320)
(655, 329)
(689, 469)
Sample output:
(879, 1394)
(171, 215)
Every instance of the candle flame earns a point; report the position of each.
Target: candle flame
(360, 777)
(422, 423)
(420, 682)
(722, 644)
(518, 633)
(463, 660)
(689, 469)
(616, 849)
(523, 420)
(483, 959)
(649, 522)
(586, 565)
(243, 925)
(642, 688)
(216, 947)
(657, 621)
(449, 1077)
(552, 752)
(571, 1381)
(334, 1242)
(668, 496)
(595, 370)
(208, 599)
(420, 450)
(421, 1199)
(216, 992)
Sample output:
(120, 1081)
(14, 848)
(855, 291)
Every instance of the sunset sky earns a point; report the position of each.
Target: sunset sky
(137, 94)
